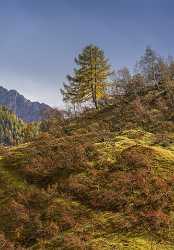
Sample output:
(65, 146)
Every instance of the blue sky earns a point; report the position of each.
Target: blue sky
(40, 38)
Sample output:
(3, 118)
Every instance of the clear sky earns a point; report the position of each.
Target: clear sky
(40, 38)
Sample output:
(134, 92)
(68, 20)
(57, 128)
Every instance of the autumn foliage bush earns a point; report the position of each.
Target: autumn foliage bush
(132, 158)
(135, 193)
(47, 162)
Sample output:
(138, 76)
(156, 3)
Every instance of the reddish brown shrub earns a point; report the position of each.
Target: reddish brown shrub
(5, 244)
(132, 158)
(156, 219)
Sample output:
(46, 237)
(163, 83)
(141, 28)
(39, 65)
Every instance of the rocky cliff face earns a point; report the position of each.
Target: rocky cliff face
(25, 109)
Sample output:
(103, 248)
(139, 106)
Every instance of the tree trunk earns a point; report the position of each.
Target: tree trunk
(94, 99)
(96, 103)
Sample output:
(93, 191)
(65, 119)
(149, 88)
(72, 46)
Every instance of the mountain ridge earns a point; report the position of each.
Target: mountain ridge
(24, 108)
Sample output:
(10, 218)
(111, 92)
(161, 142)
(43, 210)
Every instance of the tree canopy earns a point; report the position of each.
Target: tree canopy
(90, 79)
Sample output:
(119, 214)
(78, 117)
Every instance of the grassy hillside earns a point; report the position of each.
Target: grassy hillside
(101, 180)
(99, 176)
(89, 191)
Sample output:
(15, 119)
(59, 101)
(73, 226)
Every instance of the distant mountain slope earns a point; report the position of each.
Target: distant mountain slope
(25, 109)
(14, 130)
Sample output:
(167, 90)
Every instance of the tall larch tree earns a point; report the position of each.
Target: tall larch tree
(90, 79)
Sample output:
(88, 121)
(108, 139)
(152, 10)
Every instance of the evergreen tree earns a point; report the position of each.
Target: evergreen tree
(90, 79)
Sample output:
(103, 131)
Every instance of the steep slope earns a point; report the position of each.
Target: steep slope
(13, 130)
(87, 191)
(25, 109)
(150, 111)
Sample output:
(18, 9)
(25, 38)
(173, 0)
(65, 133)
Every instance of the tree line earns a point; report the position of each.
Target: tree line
(94, 82)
